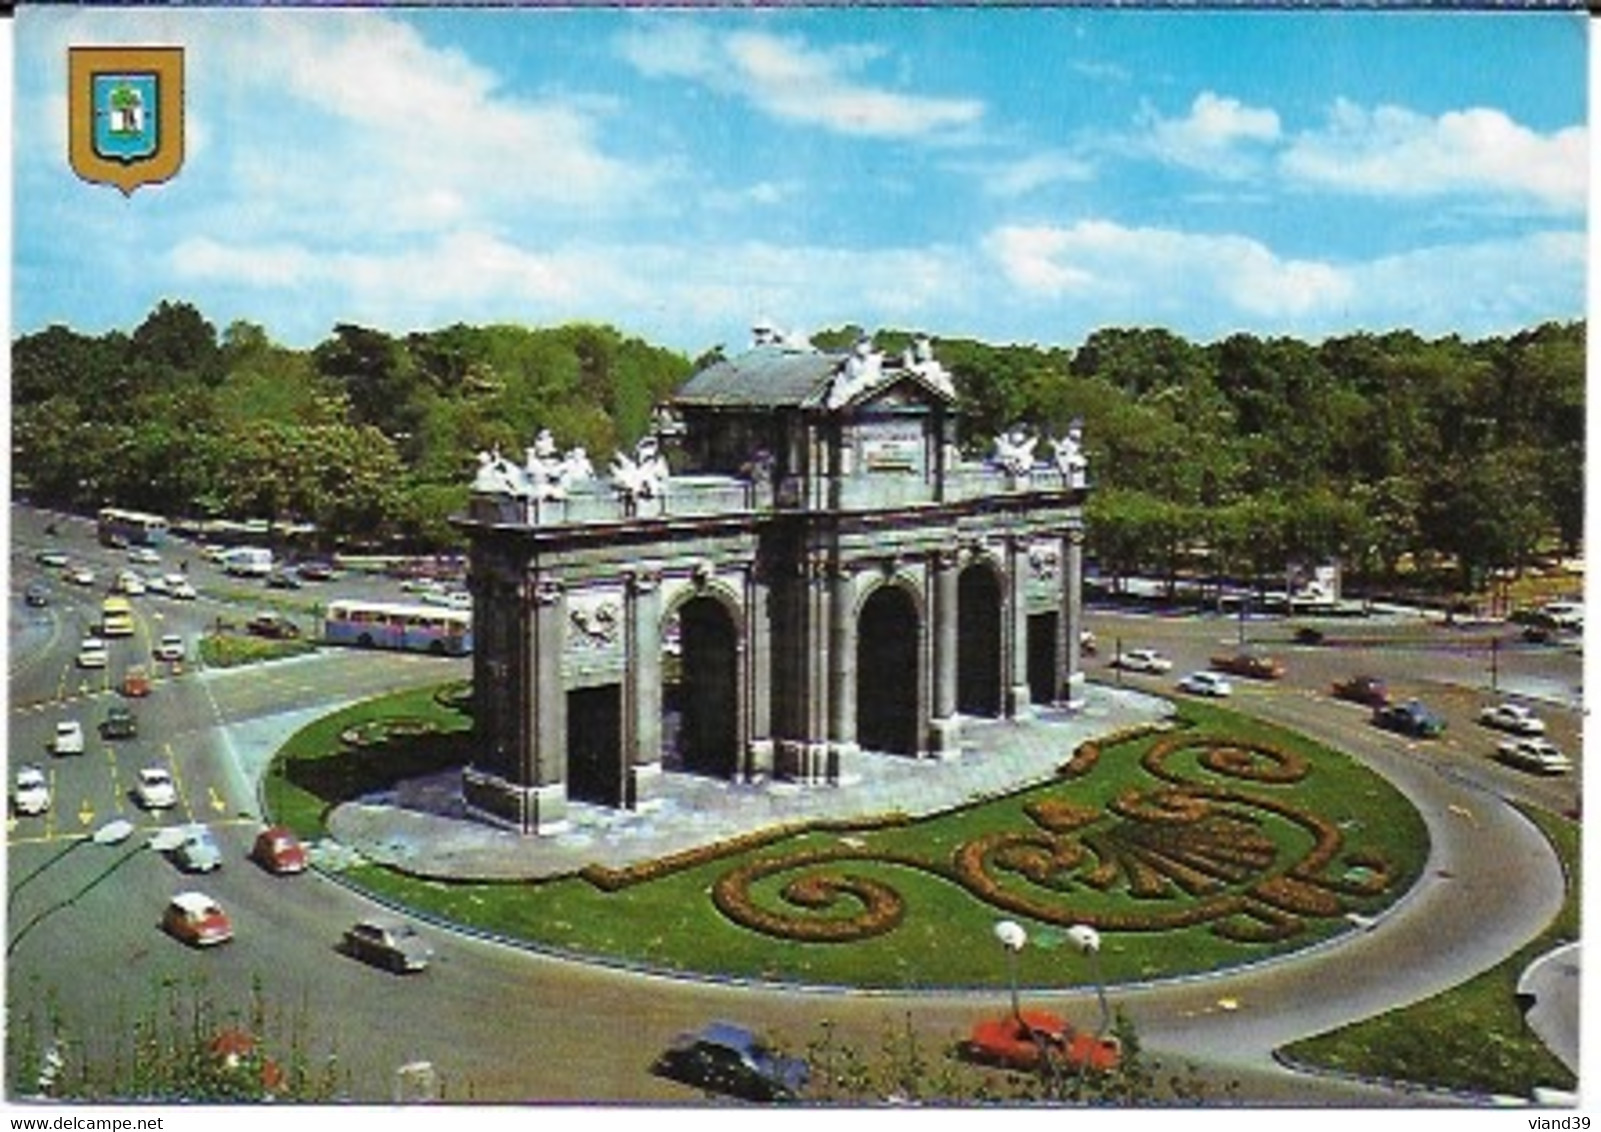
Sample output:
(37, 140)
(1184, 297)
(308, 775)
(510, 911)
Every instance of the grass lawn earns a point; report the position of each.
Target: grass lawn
(1471, 1038)
(1190, 856)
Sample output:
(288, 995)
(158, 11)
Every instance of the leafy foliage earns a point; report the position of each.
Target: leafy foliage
(1380, 449)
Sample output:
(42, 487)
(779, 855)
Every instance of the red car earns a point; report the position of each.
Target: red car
(1250, 664)
(1369, 690)
(197, 920)
(279, 851)
(1017, 1041)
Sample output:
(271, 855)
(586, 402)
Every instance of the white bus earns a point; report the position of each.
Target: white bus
(118, 527)
(396, 625)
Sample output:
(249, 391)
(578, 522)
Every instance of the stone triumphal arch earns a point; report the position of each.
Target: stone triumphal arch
(794, 572)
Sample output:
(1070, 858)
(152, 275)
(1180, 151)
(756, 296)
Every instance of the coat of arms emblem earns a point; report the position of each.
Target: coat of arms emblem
(125, 106)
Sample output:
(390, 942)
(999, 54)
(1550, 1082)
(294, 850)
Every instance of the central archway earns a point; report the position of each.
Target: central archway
(887, 672)
(706, 696)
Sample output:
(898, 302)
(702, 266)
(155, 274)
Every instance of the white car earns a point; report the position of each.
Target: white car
(1512, 717)
(32, 793)
(1538, 755)
(93, 653)
(129, 582)
(170, 647)
(1206, 684)
(69, 738)
(155, 790)
(81, 576)
(1143, 660)
(178, 586)
(144, 556)
(156, 583)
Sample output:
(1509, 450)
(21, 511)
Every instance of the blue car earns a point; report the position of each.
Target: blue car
(731, 1060)
(1409, 718)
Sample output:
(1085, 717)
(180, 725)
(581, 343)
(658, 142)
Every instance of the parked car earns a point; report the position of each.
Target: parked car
(1143, 660)
(92, 653)
(1512, 717)
(154, 789)
(37, 594)
(119, 723)
(170, 647)
(1206, 684)
(272, 625)
(1023, 1041)
(198, 852)
(68, 738)
(1369, 690)
(1409, 718)
(278, 850)
(197, 920)
(389, 943)
(53, 558)
(31, 796)
(1248, 664)
(1536, 754)
(731, 1060)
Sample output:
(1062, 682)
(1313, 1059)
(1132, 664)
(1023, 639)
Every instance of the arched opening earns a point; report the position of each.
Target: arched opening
(978, 642)
(887, 673)
(700, 707)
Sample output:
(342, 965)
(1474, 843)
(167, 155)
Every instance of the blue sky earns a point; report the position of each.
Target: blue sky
(1018, 174)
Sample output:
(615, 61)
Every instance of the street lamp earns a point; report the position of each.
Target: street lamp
(1013, 938)
(1088, 942)
(112, 833)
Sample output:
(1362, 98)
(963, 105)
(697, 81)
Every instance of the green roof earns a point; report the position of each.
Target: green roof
(767, 376)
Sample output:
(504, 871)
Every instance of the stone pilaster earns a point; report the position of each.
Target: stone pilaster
(945, 736)
(642, 688)
(1019, 699)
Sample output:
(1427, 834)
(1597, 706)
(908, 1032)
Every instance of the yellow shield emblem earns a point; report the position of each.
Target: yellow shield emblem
(125, 107)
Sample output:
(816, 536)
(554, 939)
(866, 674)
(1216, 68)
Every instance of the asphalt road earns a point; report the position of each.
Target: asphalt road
(504, 1025)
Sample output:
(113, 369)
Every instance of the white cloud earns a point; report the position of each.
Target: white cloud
(1206, 285)
(1099, 261)
(1393, 151)
(1033, 171)
(1215, 136)
(786, 78)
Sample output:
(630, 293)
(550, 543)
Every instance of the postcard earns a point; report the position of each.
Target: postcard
(867, 557)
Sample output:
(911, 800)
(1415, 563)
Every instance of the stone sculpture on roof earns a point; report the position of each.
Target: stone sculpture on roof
(644, 474)
(1068, 454)
(919, 359)
(1014, 450)
(861, 369)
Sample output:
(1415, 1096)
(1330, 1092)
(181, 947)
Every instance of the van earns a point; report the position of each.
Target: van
(248, 561)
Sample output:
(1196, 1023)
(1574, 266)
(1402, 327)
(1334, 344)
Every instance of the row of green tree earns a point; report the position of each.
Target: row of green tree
(1381, 450)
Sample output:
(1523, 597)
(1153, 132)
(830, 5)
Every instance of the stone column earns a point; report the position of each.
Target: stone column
(841, 670)
(1019, 700)
(533, 798)
(946, 735)
(642, 688)
(1072, 678)
(757, 672)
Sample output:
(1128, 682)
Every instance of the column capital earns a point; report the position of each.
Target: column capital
(547, 591)
(643, 579)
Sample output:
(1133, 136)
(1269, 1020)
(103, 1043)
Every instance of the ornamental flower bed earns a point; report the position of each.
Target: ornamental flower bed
(1192, 850)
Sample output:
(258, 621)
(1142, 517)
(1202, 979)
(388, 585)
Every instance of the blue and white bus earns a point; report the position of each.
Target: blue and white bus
(117, 527)
(394, 625)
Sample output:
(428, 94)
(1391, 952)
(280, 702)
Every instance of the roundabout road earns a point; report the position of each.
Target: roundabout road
(501, 1024)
